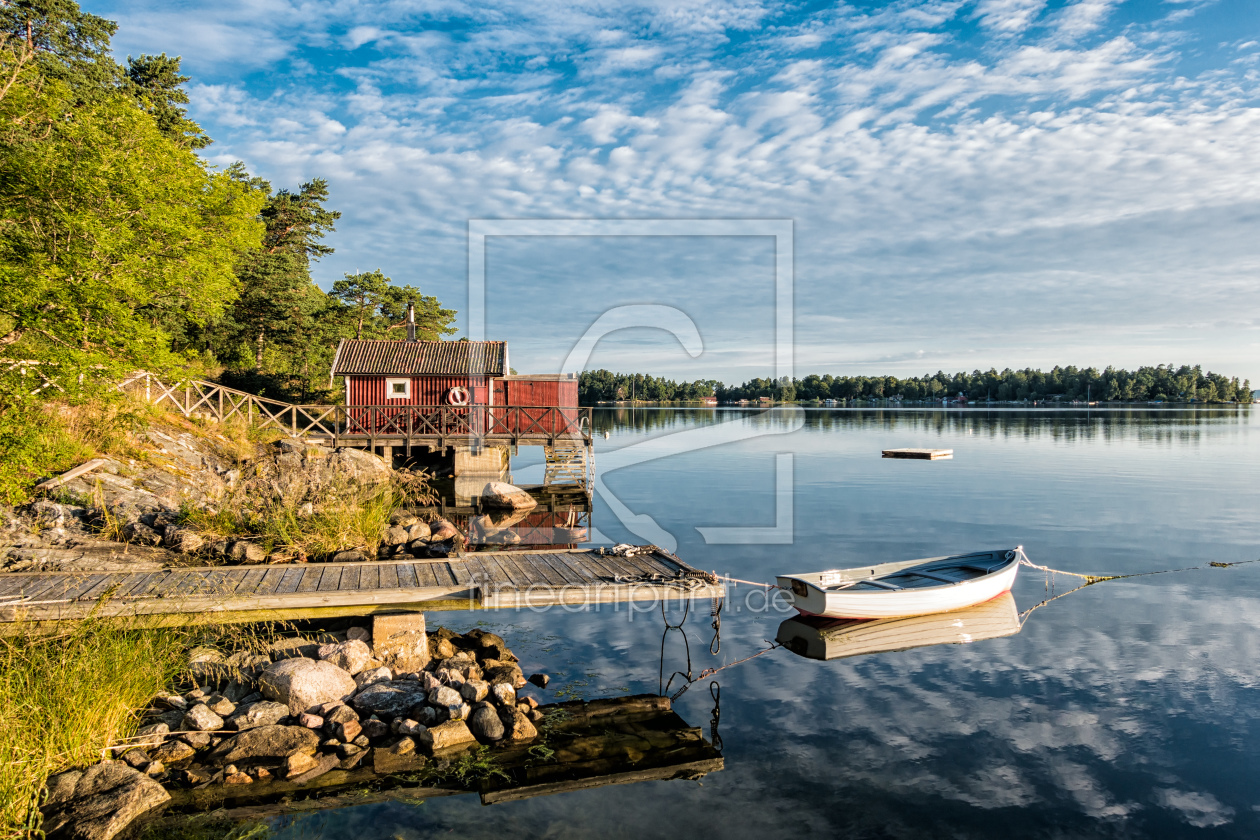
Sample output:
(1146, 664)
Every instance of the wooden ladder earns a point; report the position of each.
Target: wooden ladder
(569, 462)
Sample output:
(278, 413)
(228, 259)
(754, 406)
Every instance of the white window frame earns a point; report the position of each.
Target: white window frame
(389, 389)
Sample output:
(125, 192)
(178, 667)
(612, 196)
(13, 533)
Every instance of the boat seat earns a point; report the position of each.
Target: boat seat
(881, 584)
(931, 576)
(984, 570)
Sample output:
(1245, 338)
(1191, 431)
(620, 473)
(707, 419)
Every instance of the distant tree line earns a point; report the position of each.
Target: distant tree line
(1167, 383)
(604, 385)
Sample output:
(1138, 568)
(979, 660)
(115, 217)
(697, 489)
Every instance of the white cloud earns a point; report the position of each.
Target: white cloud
(1056, 167)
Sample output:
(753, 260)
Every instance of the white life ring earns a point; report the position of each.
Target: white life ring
(457, 396)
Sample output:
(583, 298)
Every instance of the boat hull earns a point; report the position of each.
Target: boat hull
(811, 599)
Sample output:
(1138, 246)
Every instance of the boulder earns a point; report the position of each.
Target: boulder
(518, 725)
(474, 691)
(504, 496)
(504, 695)
(155, 734)
(173, 752)
(340, 713)
(323, 764)
(395, 535)
(441, 530)
(349, 555)
(419, 548)
(183, 540)
(262, 713)
(298, 763)
(485, 725)
(351, 657)
(309, 720)
(445, 697)
(303, 683)
(373, 676)
(220, 705)
(360, 634)
(245, 552)
(453, 733)
(442, 649)
(344, 731)
(196, 740)
(137, 532)
(265, 745)
(539, 680)
(400, 641)
(419, 531)
(373, 728)
(100, 802)
(403, 519)
(509, 673)
(389, 699)
(200, 718)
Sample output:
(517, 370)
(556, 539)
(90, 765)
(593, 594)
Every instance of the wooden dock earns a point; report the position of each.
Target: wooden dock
(920, 454)
(483, 579)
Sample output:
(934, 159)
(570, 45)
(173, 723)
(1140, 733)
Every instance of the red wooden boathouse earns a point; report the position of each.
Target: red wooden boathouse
(417, 388)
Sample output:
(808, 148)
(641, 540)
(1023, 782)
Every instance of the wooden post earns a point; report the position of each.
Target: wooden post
(187, 399)
(293, 416)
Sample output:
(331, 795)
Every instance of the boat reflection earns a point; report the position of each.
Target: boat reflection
(814, 637)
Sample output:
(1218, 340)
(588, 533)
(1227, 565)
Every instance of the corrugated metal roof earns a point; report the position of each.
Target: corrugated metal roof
(420, 358)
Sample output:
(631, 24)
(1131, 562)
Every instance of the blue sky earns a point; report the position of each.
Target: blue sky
(972, 183)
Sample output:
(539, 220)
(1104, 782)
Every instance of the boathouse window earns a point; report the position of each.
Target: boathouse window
(398, 389)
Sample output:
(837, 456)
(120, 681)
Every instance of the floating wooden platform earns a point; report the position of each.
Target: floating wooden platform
(920, 454)
(483, 579)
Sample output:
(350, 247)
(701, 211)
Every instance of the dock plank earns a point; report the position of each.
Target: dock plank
(493, 579)
(292, 577)
(310, 579)
(330, 581)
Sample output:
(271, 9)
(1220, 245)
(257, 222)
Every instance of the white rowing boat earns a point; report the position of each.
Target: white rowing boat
(911, 587)
(817, 637)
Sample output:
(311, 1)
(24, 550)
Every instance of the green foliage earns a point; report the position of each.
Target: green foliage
(109, 230)
(158, 86)
(376, 307)
(604, 385)
(1162, 382)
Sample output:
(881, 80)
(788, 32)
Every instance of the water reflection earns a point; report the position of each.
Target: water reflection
(822, 638)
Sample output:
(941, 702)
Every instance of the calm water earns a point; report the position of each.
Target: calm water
(1127, 709)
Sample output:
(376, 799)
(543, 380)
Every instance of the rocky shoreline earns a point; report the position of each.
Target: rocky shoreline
(385, 695)
(137, 514)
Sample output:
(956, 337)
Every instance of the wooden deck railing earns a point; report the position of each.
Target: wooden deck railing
(383, 423)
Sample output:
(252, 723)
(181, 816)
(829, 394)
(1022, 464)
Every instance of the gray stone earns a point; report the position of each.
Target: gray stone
(509, 673)
(445, 696)
(351, 657)
(220, 705)
(429, 681)
(504, 695)
(172, 752)
(262, 713)
(136, 758)
(441, 530)
(183, 540)
(504, 496)
(539, 680)
(453, 733)
(390, 699)
(518, 726)
(196, 740)
(374, 728)
(360, 634)
(373, 676)
(485, 725)
(340, 713)
(303, 683)
(137, 532)
(265, 745)
(474, 691)
(419, 531)
(155, 734)
(246, 552)
(395, 535)
(200, 718)
(103, 801)
(170, 701)
(309, 720)
(349, 555)
(426, 715)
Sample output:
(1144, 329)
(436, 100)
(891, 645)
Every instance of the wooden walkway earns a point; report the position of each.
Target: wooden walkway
(485, 579)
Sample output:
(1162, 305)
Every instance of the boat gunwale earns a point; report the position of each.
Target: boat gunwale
(881, 570)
